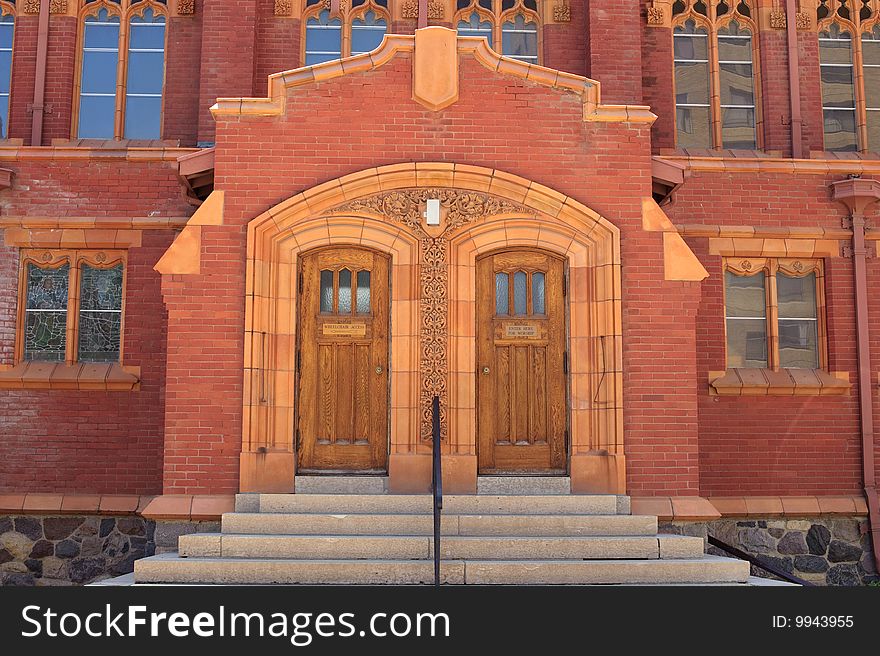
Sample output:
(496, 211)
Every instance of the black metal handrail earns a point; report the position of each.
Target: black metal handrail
(757, 562)
(436, 483)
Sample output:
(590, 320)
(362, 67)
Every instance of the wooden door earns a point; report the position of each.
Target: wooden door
(342, 405)
(521, 363)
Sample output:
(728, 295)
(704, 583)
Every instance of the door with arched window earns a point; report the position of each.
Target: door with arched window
(522, 413)
(342, 361)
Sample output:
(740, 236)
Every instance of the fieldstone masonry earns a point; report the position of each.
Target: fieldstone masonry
(75, 550)
(822, 550)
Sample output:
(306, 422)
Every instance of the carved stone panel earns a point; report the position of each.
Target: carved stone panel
(406, 207)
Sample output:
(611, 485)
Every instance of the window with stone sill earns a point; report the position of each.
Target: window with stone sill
(774, 313)
(358, 28)
(121, 72)
(510, 26)
(7, 31)
(849, 61)
(715, 57)
(71, 306)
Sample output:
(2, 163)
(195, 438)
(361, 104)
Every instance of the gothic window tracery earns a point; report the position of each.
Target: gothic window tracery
(121, 75)
(358, 27)
(510, 26)
(849, 60)
(716, 70)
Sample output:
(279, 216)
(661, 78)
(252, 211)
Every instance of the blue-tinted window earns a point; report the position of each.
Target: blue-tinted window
(146, 77)
(7, 27)
(519, 40)
(97, 104)
(367, 33)
(474, 26)
(323, 39)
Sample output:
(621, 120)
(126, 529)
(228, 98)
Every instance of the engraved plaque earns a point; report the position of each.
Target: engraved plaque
(345, 329)
(520, 331)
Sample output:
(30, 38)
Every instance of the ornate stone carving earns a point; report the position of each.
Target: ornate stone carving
(283, 7)
(343, 4)
(461, 208)
(656, 16)
(188, 7)
(55, 6)
(802, 21)
(410, 9)
(778, 20)
(562, 13)
(436, 10)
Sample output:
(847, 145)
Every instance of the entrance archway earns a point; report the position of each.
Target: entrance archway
(433, 319)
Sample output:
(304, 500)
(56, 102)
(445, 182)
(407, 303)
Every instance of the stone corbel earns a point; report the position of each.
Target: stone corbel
(679, 261)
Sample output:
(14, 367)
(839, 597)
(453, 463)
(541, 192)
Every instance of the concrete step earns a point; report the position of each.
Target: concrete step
(523, 485)
(600, 504)
(385, 547)
(171, 568)
(423, 524)
(320, 484)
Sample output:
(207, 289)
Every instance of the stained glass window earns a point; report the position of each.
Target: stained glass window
(45, 336)
(72, 307)
(100, 314)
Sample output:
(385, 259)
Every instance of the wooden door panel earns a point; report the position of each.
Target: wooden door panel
(521, 398)
(342, 405)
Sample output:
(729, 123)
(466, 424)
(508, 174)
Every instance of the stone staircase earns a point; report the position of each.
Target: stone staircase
(348, 530)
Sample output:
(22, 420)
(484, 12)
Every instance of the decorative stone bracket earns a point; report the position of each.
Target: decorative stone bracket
(185, 253)
(679, 261)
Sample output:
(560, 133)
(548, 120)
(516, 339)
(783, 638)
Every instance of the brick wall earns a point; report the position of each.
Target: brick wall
(94, 442)
(277, 45)
(773, 445)
(341, 126)
(182, 66)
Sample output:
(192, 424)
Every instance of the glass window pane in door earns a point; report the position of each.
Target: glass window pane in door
(326, 291)
(363, 292)
(344, 305)
(520, 293)
(538, 293)
(502, 294)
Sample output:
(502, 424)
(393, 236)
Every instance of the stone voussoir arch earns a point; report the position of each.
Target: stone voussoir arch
(486, 209)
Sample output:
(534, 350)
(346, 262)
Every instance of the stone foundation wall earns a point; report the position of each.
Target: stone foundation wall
(76, 550)
(822, 550)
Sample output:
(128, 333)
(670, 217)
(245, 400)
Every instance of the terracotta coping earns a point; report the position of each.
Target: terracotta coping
(189, 507)
(97, 223)
(54, 375)
(73, 504)
(765, 164)
(785, 382)
(113, 150)
(279, 83)
(712, 508)
(790, 506)
(763, 232)
(197, 162)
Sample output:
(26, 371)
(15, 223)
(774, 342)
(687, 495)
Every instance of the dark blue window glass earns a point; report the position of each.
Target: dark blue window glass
(323, 39)
(146, 77)
(97, 103)
(7, 24)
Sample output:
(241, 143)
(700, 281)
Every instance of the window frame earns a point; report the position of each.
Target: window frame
(9, 9)
(769, 267)
(856, 27)
(347, 15)
(53, 259)
(497, 17)
(713, 25)
(125, 11)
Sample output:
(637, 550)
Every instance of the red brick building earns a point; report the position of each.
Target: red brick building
(638, 250)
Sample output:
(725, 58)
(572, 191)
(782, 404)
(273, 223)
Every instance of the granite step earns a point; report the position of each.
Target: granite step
(599, 504)
(171, 568)
(319, 547)
(451, 524)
